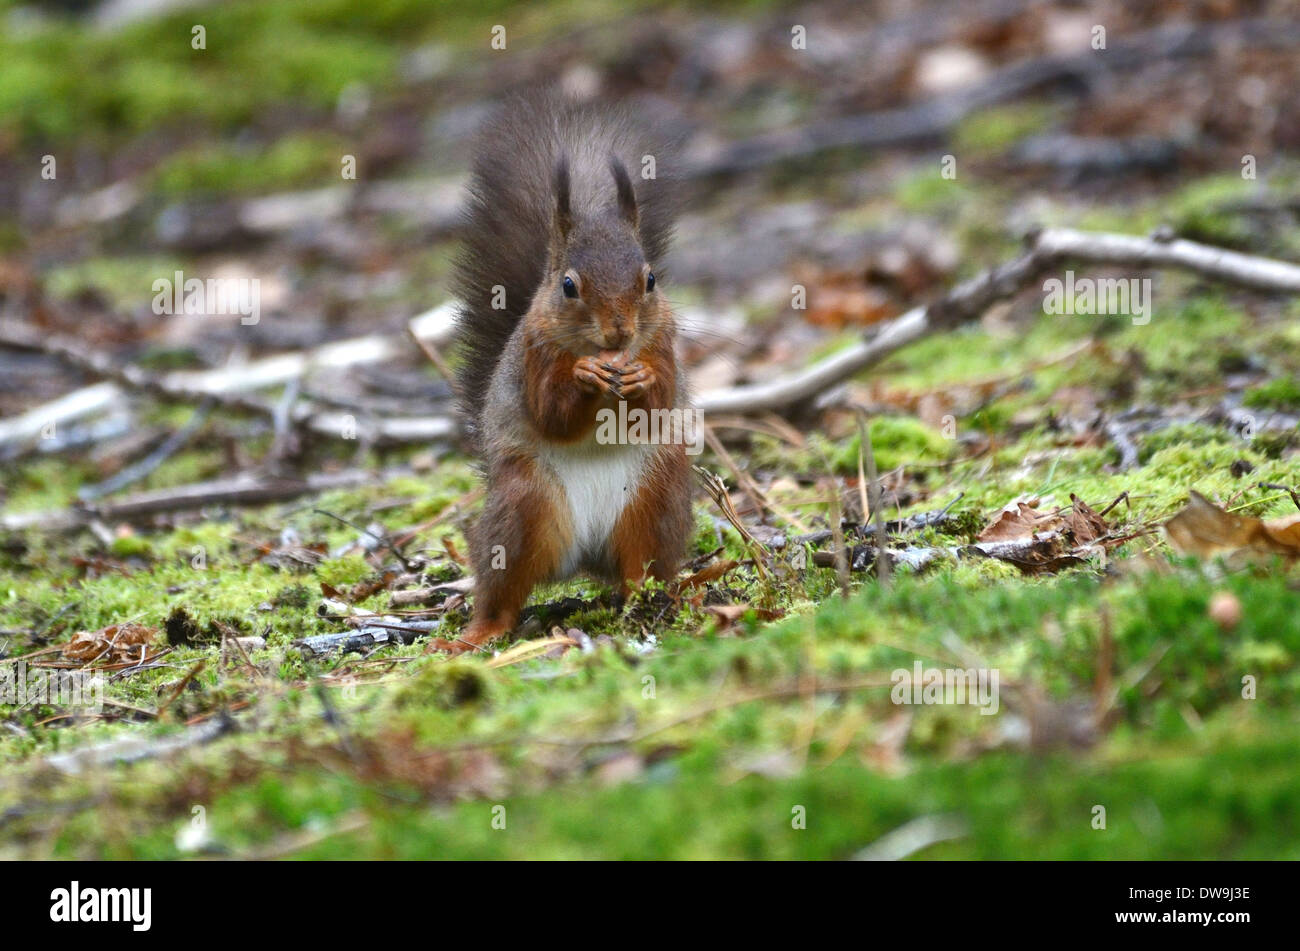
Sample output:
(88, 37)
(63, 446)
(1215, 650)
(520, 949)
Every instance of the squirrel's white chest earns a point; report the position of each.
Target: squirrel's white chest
(598, 482)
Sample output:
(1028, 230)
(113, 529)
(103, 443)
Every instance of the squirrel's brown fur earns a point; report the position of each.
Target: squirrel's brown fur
(510, 208)
(565, 237)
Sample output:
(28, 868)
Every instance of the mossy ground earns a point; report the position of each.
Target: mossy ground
(678, 736)
(707, 743)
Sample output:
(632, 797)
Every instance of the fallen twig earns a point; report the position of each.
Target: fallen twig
(1043, 550)
(968, 300)
(138, 470)
(131, 749)
(865, 451)
(912, 837)
(965, 302)
(226, 385)
(181, 685)
(245, 489)
(377, 632)
(380, 537)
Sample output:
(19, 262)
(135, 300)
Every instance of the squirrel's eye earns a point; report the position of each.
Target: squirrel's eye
(570, 288)
(649, 283)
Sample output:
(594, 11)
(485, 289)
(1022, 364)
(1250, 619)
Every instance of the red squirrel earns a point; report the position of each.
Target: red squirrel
(562, 315)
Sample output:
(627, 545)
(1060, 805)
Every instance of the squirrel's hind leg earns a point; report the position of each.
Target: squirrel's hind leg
(518, 541)
(652, 531)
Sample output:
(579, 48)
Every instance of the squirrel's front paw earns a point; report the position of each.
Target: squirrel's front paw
(637, 379)
(596, 376)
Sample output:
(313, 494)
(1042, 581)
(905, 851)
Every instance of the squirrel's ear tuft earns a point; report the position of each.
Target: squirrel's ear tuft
(626, 194)
(563, 213)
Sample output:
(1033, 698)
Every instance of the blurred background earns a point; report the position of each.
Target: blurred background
(812, 159)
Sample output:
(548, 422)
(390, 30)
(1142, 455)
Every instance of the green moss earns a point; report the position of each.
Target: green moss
(1281, 393)
(444, 684)
(259, 54)
(895, 441)
(1274, 445)
(928, 191)
(1199, 209)
(1012, 806)
(126, 282)
(44, 484)
(129, 546)
(346, 570)
(1223, 786)
(997, 129)
(290, 162)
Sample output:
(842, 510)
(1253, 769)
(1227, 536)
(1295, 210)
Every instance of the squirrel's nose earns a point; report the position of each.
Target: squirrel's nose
(617, 335)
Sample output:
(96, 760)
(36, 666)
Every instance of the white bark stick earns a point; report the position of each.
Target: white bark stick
(969, 300)
(434, 325)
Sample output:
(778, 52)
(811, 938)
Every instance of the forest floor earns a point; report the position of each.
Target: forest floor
(1147, 703)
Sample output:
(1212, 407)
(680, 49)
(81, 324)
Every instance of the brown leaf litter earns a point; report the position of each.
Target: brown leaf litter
(1206, 531)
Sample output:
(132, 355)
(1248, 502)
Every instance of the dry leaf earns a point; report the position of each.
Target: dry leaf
(1045, 551)
(1019, 520)
(727, 614)
(709, 573)
(117, 642)
(1084, 524)
(293, 557)
(449, 546)
(364, 589)
(837, 298)
(528, 650)
(1205, 530)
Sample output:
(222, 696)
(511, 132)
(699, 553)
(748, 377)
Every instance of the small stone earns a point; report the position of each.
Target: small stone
(1225, 610)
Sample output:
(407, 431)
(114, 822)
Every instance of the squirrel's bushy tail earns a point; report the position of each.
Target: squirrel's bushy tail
(508, 215)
